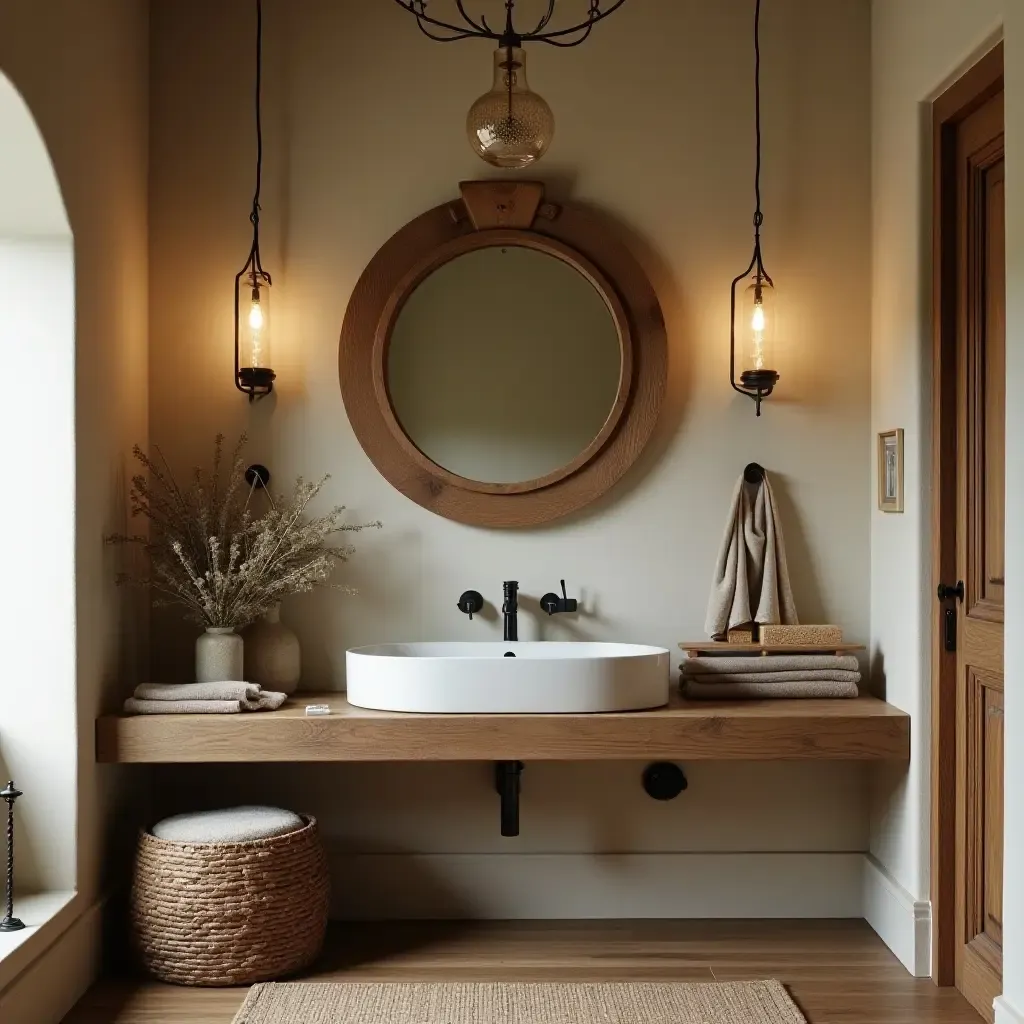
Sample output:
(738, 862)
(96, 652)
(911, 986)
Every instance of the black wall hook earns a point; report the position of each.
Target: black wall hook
(257, 474)
(753, 473)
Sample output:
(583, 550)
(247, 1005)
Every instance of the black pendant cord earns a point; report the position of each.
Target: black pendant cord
(253, 264)
(762, 390)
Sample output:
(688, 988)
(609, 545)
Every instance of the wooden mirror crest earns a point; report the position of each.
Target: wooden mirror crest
(502, 216)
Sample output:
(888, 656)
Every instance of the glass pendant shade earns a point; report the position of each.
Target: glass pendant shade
(756, 323)
(510, 126)
(254, 364)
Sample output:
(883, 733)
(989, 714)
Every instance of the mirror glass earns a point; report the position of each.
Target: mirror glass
(504, 364)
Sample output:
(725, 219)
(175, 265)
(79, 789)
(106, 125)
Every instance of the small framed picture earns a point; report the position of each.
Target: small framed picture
(890, 470)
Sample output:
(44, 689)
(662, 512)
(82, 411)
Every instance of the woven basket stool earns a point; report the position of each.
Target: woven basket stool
(229, 913)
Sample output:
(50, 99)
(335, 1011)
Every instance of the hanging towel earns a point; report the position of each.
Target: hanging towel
(699, 690)
(768, 664)
(751, 581)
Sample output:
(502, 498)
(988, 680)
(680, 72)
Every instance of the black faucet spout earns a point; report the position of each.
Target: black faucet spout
(510, 610)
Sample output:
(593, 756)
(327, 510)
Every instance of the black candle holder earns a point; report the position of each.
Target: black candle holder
(10, 923)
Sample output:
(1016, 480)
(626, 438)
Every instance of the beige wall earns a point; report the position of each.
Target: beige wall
(918, 47)
(364, 130)
(83, 70)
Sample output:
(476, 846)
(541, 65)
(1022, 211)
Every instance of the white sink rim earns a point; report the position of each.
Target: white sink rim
(545, 677)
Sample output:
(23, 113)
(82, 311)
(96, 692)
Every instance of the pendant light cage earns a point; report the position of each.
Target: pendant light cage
(253, 373)
(752, 307)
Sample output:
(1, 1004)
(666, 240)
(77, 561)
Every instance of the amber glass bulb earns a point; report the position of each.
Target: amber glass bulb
(255, 334)
(510, 126)
(756, 323)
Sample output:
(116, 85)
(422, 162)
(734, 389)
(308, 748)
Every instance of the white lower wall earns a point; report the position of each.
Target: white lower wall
(584, 886)
(902, 922)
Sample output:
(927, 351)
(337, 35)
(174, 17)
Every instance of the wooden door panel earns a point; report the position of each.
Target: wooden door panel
(993, 395)
(981, 406)
(983, 811)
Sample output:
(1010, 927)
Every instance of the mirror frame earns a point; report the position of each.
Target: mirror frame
(493, 213)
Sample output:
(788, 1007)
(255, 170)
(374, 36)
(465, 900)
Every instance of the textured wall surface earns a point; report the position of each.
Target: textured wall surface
(364, 130)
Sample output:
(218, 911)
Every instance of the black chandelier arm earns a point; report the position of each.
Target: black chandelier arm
(596, 15)
(445, 39)
(482, 30)
(543, 23)
(459, 31)
(480, 27)
(566, 43)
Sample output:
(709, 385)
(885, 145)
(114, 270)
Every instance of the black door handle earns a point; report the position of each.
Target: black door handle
(949, 638)
(946, 591)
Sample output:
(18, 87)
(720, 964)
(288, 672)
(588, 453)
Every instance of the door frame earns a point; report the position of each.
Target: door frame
(979, 84)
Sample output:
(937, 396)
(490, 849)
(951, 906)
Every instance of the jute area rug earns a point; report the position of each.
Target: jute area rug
(750, 1002)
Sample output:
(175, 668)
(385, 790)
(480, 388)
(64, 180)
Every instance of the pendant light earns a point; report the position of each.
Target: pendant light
(753, 292)
(253, 373)
(510, 125)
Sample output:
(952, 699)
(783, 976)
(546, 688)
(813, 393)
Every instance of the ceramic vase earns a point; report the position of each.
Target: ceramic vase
(219, 655)
(272, 657)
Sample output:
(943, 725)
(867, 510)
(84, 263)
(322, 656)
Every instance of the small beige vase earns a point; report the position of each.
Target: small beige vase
(218, 655)
(272, 656)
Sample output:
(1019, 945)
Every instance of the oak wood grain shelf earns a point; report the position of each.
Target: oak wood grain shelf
(721, 647)
(862, 729)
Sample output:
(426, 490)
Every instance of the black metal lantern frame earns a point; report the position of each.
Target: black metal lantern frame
(757, 384)
(478, 28)
(255, 381)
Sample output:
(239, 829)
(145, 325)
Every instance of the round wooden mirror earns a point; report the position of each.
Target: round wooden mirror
(502, 359)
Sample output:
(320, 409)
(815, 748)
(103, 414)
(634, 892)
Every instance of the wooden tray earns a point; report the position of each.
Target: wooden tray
(694, 648)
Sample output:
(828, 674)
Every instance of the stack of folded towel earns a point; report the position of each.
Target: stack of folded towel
(770, 675)
(228, 698)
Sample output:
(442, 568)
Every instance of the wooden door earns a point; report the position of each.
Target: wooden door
(980, 467)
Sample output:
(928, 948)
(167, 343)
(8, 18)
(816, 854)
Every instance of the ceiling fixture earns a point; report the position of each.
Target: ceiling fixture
(253, 374)
(753, 310)
(510, 125)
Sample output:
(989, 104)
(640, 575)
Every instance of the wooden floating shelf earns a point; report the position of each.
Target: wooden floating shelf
(862, 729)
(721, 647)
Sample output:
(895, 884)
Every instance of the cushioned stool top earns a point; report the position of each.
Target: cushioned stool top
(230, 825)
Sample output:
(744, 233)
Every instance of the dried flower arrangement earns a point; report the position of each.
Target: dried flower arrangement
(210, 555)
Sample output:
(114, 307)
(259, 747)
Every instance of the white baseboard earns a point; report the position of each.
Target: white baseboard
(46, 990)
(1006, 1014)
(903, 923)
(587, 886)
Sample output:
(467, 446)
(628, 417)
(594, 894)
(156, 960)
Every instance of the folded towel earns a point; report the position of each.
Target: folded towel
(815, 675)
(202, 699)
(751, 579)
(761, 691)
(768, 663)
(250, 695)
(134, 706)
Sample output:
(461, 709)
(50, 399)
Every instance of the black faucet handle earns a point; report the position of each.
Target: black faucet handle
(470, 602)
(552, 603)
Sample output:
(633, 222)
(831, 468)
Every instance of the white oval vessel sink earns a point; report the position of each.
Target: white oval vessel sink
(480, 678)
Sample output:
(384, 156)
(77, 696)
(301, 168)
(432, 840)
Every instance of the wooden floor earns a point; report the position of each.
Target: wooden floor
(838, 971)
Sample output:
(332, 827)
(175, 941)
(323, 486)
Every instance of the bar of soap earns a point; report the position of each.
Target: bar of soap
(318, 709)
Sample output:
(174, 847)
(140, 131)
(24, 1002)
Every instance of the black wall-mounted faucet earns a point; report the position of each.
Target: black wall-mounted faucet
(470, 603)
(552, 603)
(510, 610)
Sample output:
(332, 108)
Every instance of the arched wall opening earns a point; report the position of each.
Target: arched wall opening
(38, 722)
